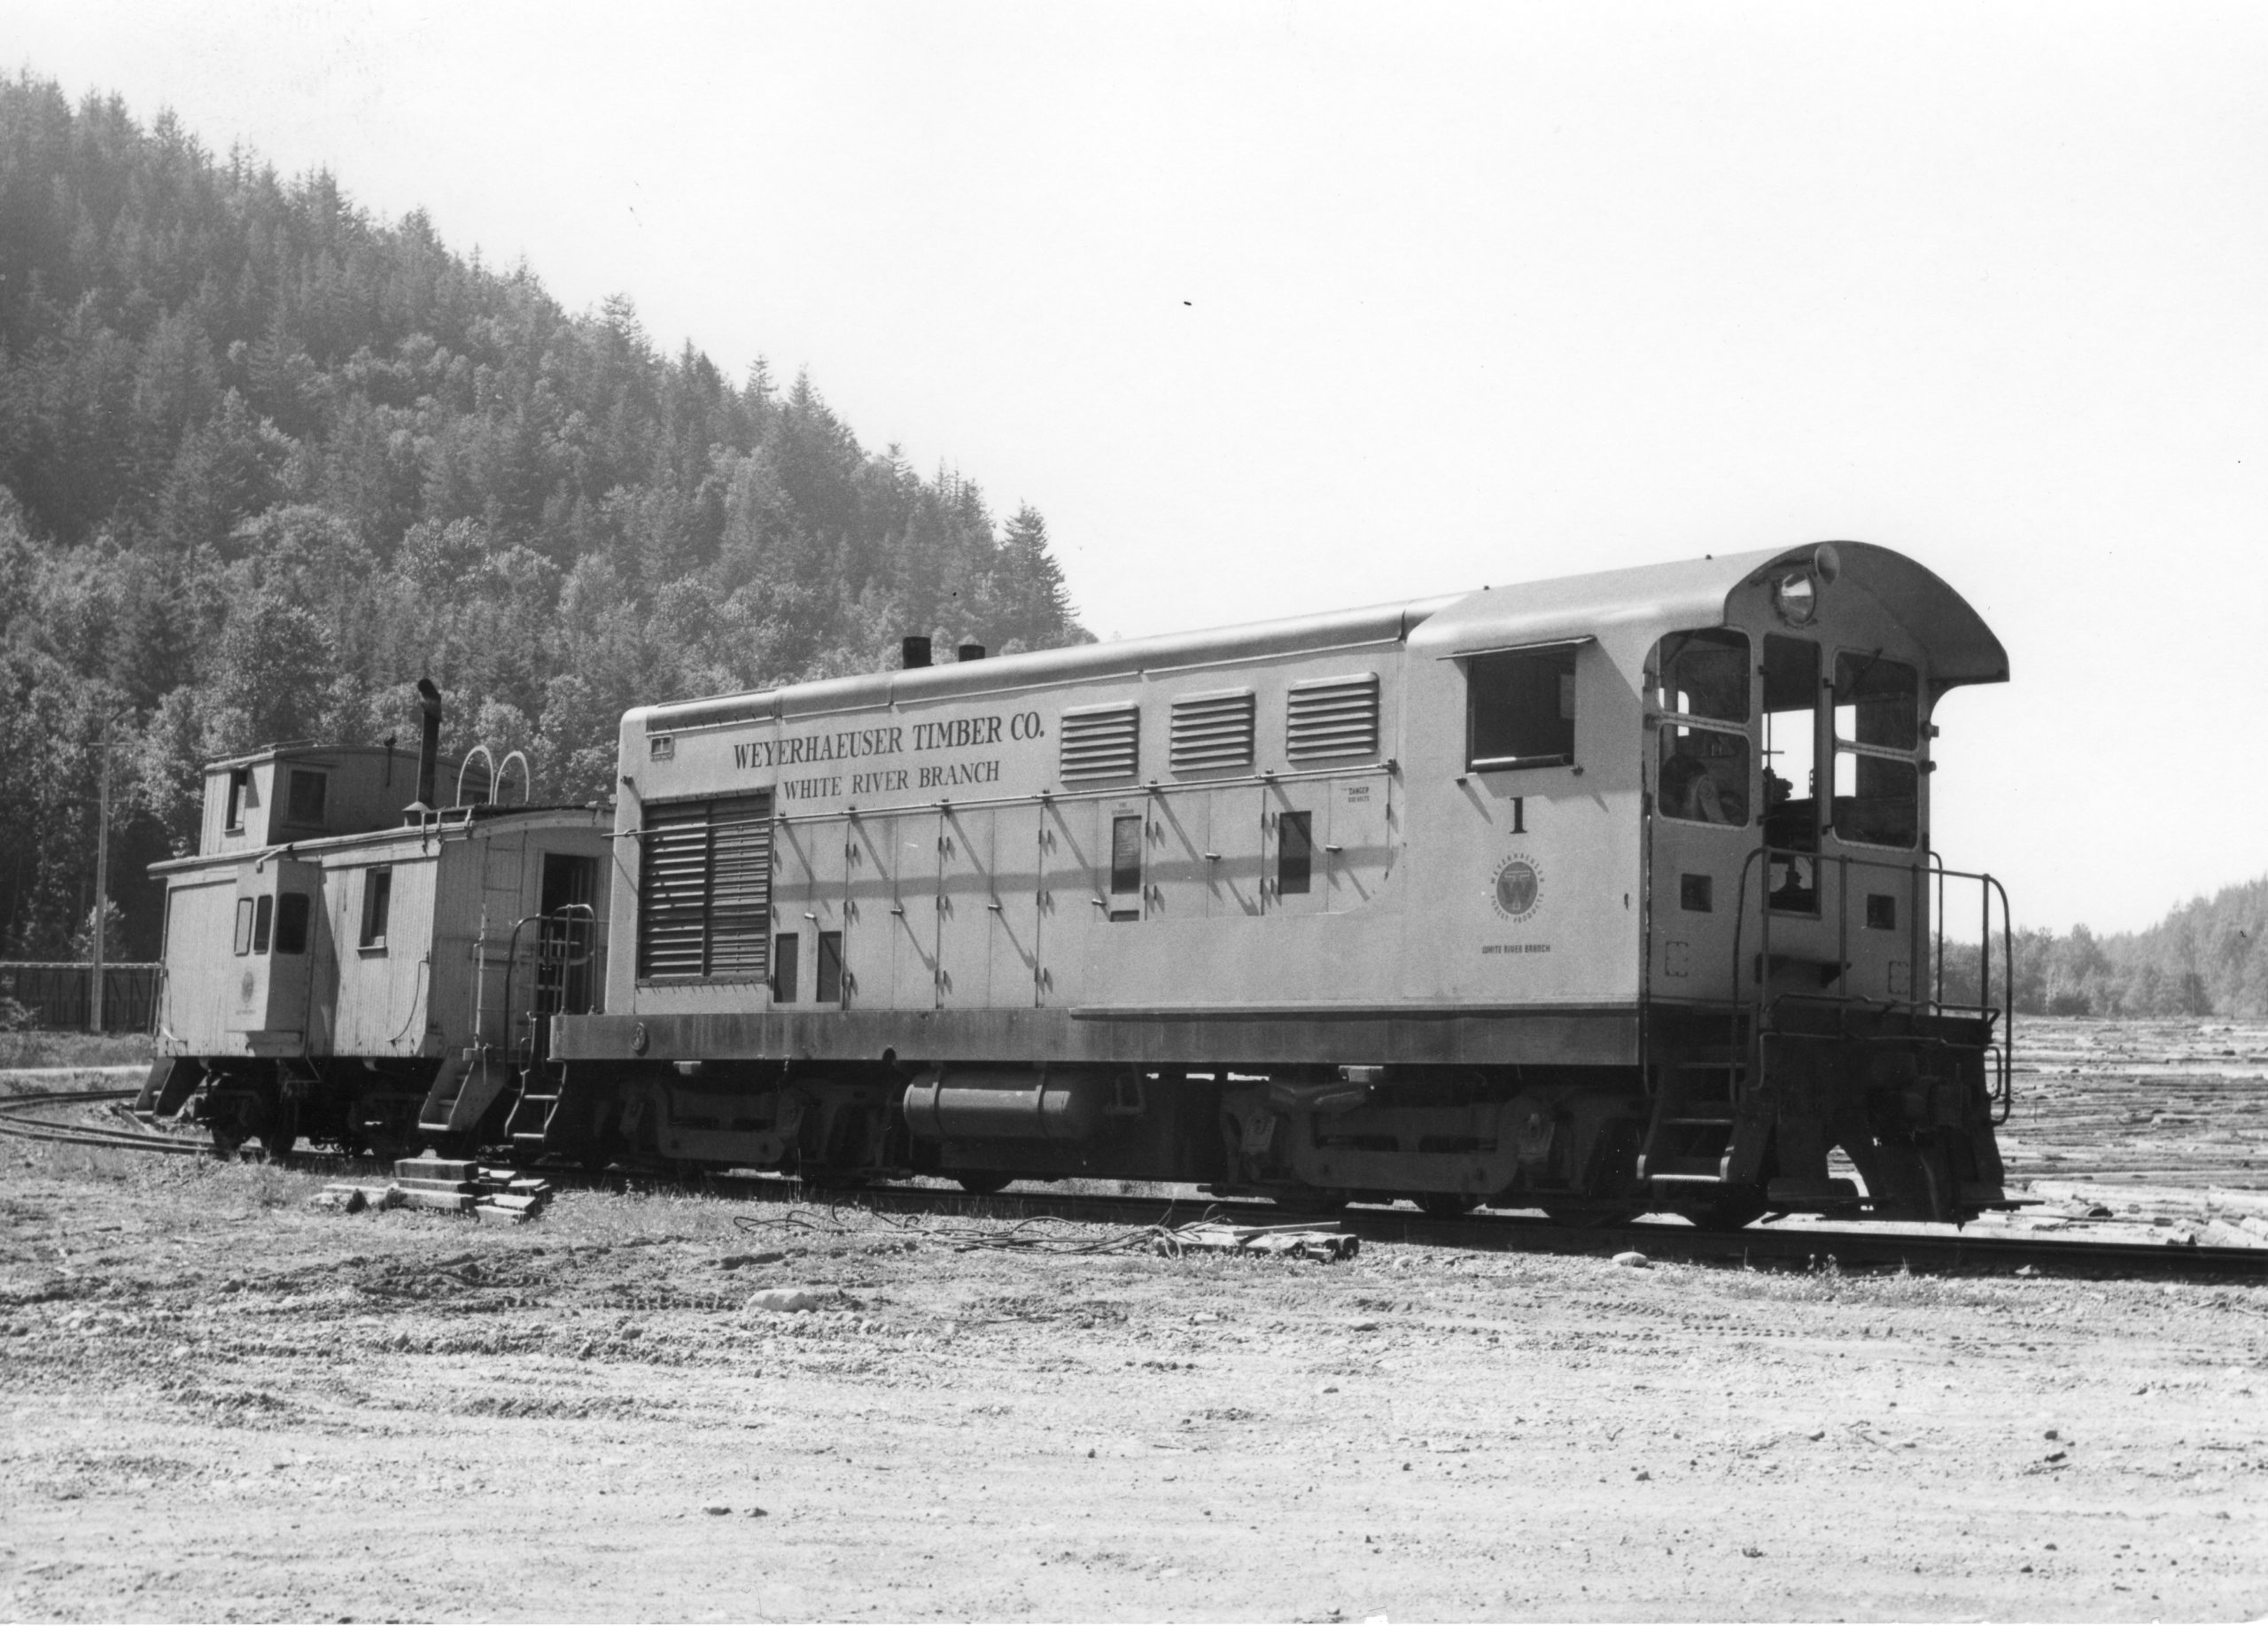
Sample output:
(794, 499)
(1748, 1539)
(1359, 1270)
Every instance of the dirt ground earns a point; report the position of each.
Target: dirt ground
(223, 1403)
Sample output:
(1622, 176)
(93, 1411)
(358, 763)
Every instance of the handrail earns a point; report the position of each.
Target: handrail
(464, 767)
(1999, 1017)
(563, 915)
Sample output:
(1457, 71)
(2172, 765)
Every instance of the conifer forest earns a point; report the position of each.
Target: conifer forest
(265, 460)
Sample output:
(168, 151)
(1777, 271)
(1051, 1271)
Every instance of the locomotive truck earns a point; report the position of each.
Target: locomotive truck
(1601, 895)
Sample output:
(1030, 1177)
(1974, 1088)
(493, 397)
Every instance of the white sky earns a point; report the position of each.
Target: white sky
(1275, 308)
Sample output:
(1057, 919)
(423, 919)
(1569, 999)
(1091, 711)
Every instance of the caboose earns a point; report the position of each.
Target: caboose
(1601, 895)
(346, 958)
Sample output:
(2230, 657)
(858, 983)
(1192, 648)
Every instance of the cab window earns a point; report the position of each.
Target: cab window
(1703, 674)
(1520, 708)
(1877, 773)
(1792, 789)
(1704, 774)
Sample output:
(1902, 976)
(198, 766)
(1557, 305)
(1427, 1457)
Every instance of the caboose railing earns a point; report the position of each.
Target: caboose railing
(1920, 880)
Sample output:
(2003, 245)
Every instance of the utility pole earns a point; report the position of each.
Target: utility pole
(102, 885)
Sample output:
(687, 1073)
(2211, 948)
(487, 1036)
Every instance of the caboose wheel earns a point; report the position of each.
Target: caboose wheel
(983, 1185)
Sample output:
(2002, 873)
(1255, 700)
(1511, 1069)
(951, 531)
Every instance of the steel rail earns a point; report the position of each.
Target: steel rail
(1840, 1248)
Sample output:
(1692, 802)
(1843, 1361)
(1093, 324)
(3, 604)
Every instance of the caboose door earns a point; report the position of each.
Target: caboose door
(277, 916)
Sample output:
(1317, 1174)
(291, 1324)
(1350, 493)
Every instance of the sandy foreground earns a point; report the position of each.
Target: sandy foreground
(223, 1403)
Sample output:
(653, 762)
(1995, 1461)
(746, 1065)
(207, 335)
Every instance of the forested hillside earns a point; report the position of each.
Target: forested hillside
(265, 460)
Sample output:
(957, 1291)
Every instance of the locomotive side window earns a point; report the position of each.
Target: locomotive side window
(829, 990)
(1294, 852)
(1126, 867)
(1877, 726)
(239, 793)
(290, 922)
(1791, 787)
(243, 925)
(1520, 708)
(305, 805)
(377, 903)
(787, 949)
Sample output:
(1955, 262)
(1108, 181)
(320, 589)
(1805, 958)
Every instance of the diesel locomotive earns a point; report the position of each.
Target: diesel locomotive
(1601, 895)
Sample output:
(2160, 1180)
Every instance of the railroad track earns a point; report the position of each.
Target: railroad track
(32, 1117)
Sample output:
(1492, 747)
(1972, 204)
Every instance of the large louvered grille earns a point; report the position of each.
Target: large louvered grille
(1211, 731)
(1100, 744)
(1336, 717)
(704, 903)
(740, 886)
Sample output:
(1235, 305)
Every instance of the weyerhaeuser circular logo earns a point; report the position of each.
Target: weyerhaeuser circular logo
(1517, 887)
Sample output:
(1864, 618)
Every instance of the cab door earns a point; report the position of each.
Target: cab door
(1701, 804)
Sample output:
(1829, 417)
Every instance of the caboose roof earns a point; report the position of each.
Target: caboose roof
(1687, 592)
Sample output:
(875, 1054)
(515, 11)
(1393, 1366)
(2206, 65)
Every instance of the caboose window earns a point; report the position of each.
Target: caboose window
(263, 921)
(377, 904)
(1520, 708)
(306, 797)
(239, 793)
(290, 922)
(243, 925)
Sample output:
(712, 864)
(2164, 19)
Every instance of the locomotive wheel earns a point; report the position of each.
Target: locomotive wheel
(1731, 1211)
(983, 1184)
(1589, 1217)
(1446, 1204)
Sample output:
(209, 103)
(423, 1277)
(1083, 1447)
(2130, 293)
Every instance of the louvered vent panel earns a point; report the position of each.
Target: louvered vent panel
(672, 905)
(1100, 744)
(1336, 717)
(704, 902)
(740, 886)
(1211, 731)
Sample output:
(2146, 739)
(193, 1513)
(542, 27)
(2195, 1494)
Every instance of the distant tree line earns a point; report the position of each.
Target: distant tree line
(2207, 958)
(265, 460)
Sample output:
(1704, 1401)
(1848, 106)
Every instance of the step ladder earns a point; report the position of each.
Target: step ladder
(1690, 1143)
(541, 1088)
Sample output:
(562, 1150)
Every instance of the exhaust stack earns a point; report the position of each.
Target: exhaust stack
(428, 749)
(912, 652)
(971, 651)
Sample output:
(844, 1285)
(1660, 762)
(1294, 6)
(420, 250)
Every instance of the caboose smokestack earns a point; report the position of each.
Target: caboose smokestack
(972, 651)
(428, 749)
(912, 652)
